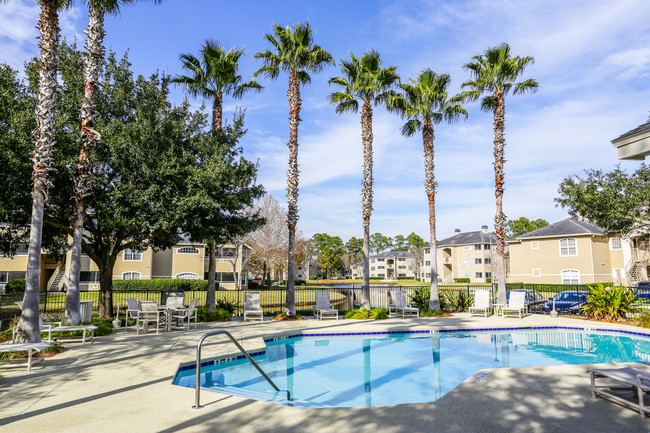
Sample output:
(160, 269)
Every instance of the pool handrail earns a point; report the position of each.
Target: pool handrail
(197, 404)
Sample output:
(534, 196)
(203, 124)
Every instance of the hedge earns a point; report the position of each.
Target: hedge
(406, 278)
(15, 286)
(160, 285)
(461, 280)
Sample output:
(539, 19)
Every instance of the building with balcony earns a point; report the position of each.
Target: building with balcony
(388, 265)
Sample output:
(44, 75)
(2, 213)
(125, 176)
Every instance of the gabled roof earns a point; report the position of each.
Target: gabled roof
(468, 238)
(565, 227)
(392, 254)
(640, 128)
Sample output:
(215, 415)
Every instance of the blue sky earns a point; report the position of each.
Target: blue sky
(592, 61)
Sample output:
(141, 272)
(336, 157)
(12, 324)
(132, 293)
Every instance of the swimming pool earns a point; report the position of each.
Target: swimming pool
(372, 369)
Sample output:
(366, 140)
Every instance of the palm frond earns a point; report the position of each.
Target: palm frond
(411, 127)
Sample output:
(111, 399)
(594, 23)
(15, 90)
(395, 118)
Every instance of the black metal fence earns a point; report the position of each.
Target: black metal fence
(343, 297)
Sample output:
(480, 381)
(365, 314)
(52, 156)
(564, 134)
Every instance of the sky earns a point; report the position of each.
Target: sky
(592, 62)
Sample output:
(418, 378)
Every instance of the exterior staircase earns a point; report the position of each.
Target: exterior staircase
(636, 271)
(57, 285)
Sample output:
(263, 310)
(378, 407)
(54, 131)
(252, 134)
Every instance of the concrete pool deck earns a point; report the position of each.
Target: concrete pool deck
(122, 383)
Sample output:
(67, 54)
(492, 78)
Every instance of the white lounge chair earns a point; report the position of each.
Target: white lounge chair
(30, 348)
(323, 308)
(397, 304)
(150, 313)
(482, 306)
(516, 306)
(252, 308)
(637, 381)
(50, 328)
(181, 315)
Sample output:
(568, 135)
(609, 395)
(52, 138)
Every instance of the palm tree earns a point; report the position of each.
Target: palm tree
(494, 73)
(367, 82)
(88, 139)
(211, 76)
(425, 103)
(48, 25)
(295, 54)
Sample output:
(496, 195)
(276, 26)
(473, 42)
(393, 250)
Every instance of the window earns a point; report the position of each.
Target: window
(534, 245)
(428, 275)
(486, 246)
(478, 261)
(479, 275)
(427, 251)
(132, 256)
(467, 247)
(568, 247)
(4, 277)
(372, 268)
(372, 260)
(615, 243)
(380, 260)
(468, 274)
(537, 272)
(427, 263)
(244, 255)
(570, 276)
(89, 277)
(401, 267)
(488, 275)
(228, 252)
(223, 277)
(22, 250)
(468, 260)
(410, 268)
(401, 259)
(477, 246)
(488, 261)
(381, 267)
(380, 275)
(188, 250)
(131, 276)
(187, 276)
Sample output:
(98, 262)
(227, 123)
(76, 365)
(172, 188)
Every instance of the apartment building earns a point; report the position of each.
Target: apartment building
(575, 252)
(388, 265)
(463, 255)
(185, 259)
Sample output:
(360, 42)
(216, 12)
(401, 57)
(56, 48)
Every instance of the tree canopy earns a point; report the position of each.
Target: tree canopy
(616, 201)
(523, 225)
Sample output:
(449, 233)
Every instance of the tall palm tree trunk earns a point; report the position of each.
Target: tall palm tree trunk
(430, 187)
(48, 24)
(366, 198)
(292, 187)
(211, 296)
(89, 137)
(500, 218)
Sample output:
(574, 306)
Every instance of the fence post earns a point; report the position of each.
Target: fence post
(467, 289)
(45, 303)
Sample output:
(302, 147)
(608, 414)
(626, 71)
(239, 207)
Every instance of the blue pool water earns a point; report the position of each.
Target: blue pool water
(373, 370)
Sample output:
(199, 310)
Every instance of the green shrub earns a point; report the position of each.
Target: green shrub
(104, 326)
(160, 285)
(300, 282)
(361, 314)
(488, 280)
(459, 301)
(376, 278)
(420, 298)
(643, 319)
(406, 278)
(313, 277)
(610, 303)
(378, 314)
(219, 314)
(430, 313)
(461, 280)
(224, 304)
(15, 286)
(254, 286)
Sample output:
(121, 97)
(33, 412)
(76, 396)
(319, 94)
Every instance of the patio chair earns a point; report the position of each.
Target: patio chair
(252, 308)
(516, 306)
(397, 304)
(132, 311)
(175, 302)
(637, 381)
(57, 328)
(323, 308)
(149, 312)
(482, 306)
(180, 315)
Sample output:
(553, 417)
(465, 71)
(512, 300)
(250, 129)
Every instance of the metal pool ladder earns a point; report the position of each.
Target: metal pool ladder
(197, 404)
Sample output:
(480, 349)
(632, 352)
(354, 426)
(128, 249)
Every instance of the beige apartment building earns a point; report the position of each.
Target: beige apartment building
(186, 259)
(575, 252)
(463, 255)
(388, 265)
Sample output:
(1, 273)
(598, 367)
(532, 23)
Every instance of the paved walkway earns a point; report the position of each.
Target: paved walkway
(123, 383)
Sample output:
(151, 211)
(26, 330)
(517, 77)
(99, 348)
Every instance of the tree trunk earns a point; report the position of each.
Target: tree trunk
(500, 218)
(430, 187)
(366, 198)
(106, 288)
(263, 273)
(48, 24)
(89, 137)
(211, 297)
(292, 187)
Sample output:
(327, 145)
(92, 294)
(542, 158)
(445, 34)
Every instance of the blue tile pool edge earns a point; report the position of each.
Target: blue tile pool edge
(220, 359)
